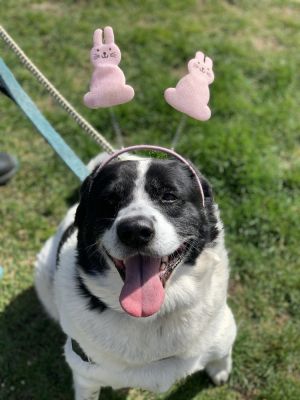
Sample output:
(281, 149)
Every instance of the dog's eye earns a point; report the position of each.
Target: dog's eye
(168, 197)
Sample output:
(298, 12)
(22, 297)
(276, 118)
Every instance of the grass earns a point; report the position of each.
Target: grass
(249, 150)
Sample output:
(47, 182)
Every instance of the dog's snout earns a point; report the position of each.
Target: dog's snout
(135, 232)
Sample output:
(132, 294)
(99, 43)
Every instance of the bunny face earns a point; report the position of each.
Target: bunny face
(202, 65)
(105, 53)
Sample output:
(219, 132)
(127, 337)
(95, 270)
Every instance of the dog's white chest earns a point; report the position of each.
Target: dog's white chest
(124, 340)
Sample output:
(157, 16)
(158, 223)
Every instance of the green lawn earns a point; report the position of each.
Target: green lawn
(249, 150)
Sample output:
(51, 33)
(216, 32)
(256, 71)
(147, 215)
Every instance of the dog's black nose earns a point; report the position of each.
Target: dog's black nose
(135, 232)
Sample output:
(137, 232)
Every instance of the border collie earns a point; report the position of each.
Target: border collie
(137, 277)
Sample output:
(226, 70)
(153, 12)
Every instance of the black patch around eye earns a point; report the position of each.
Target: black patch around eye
(187, 214)
(167, 178)
(102, 195)
(168, 197)
(109, 206)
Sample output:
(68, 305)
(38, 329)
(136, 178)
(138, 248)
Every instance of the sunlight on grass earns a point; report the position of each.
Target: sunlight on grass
(249, 150)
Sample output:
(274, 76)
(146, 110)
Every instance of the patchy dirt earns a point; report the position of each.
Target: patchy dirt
(53, 8)
(266, 43)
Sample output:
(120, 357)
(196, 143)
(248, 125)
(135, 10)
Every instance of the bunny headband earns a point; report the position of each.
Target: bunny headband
(163, 150)
(108, 84)
(108, 88)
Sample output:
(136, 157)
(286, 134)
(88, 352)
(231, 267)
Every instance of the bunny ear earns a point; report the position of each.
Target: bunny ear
(200, 56)
(208, 62)
(97, 39)
(109, 35)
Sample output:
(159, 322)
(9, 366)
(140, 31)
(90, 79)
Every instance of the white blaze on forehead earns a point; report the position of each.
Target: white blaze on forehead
(140, 197)
(165, 240)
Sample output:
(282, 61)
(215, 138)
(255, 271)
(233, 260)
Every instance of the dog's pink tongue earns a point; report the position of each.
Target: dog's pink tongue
(142, 294)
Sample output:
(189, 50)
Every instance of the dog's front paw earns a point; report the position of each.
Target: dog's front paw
(219, 377)
(219, 370)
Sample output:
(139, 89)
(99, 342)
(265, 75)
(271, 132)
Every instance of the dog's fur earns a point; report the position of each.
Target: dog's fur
(79, 285)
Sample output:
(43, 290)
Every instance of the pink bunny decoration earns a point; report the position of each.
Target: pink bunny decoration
(108, 84)
(191, 94)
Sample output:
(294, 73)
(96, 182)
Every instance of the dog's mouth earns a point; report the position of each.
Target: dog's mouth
(145, 278)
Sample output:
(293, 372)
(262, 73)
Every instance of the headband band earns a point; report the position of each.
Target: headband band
(156, 148)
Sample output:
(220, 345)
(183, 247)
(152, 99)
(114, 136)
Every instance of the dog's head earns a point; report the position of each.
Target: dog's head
(139, 221)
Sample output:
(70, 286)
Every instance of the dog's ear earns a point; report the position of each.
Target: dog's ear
(83, 201)
(206, 186)
(207, 189)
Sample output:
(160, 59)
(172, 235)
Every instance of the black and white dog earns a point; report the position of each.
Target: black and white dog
(137, 278)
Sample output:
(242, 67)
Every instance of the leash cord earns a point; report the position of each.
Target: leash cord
(83, 123)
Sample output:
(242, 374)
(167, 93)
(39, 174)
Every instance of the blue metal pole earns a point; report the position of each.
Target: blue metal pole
(15, 91)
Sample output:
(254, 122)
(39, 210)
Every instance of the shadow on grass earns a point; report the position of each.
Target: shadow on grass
(191, 386)
(32, 364)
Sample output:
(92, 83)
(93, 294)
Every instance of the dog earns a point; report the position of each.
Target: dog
(137, 278)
